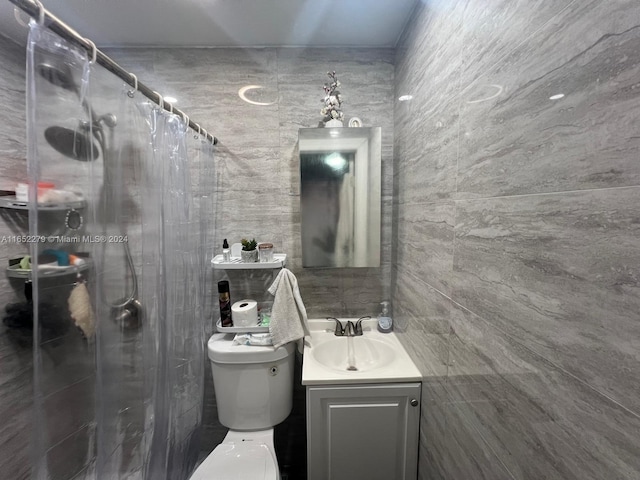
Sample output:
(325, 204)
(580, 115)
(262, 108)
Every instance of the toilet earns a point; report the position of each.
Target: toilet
(254, 393)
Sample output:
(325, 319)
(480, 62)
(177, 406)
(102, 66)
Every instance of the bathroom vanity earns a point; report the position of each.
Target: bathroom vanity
(363, 405)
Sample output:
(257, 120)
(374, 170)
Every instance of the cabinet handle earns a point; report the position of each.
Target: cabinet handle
(414, 402)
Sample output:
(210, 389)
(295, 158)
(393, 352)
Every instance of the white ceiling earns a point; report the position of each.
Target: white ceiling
(227, 23)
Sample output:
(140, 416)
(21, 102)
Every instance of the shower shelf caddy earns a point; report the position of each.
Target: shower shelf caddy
(279, 261)
(14, 271)
(10, 202)
(254, 329)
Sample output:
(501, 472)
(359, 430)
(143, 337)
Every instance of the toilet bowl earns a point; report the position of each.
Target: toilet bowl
(241, 456)
(254, 392)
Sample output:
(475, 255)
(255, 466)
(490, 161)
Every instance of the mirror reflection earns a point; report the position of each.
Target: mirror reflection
(340, 196)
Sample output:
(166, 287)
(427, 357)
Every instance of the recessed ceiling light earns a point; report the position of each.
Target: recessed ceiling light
(170, 99)
(243, 91)
(405, 98)
(487, 93)
(558, 96)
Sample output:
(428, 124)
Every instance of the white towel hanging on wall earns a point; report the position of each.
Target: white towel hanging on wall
(288, 314)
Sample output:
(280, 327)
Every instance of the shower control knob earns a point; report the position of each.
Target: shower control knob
(414, 402)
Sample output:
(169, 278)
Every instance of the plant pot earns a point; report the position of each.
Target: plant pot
(333, 123)
(250, 256)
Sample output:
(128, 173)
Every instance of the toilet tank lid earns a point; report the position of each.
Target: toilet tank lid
(222, 350)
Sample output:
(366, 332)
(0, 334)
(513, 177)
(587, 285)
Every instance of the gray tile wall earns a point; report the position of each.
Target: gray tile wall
(515, 279)
(257, 184)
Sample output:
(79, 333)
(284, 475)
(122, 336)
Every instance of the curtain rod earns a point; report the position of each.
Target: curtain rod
(36, 10)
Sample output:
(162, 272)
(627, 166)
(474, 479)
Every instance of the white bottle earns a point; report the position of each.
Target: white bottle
(385, 323)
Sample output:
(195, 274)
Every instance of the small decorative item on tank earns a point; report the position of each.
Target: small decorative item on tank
(265, 252)
(249, 254)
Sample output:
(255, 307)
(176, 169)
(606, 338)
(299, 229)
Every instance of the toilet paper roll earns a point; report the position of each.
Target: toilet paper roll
(244, 313)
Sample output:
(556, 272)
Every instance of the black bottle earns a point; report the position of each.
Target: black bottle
(225, 303)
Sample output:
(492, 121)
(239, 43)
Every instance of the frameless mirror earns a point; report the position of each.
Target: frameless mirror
(340, 196)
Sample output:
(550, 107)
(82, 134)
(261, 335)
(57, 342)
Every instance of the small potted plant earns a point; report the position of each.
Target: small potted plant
(249, 253)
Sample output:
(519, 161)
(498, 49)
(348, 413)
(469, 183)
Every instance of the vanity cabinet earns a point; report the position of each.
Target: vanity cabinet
(363, 431)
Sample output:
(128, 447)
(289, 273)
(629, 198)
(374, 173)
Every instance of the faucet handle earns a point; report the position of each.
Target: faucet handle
(339, 331)
(358, 329)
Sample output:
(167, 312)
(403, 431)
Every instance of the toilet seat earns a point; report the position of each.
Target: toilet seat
(244, 460)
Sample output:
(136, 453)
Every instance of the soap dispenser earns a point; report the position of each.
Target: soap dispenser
(385, 323)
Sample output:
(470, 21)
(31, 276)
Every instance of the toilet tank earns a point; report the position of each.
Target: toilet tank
(253, 384)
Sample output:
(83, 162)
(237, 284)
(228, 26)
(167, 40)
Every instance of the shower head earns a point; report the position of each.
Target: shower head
(59, 74)
(75, 144)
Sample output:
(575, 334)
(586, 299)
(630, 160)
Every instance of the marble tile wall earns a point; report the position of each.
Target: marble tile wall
(515, 279)
(257, 183)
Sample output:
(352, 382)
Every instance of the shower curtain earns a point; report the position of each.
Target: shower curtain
(119, 333)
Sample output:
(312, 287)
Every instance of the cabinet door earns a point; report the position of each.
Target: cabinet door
(367, 432)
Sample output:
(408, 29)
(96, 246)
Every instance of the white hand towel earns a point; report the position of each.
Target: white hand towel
(288, 315)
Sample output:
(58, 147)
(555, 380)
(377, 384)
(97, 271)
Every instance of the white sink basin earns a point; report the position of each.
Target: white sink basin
(367, 354)
(373, 357)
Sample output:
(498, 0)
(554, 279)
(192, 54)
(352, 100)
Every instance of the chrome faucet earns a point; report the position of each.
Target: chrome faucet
(348, 330)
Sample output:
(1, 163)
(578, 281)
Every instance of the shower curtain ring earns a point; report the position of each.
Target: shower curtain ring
(40, 12)
(94, 51)
(135, 86)
(170, 107)
(199, 129)
(160, 100)
(185, 118)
